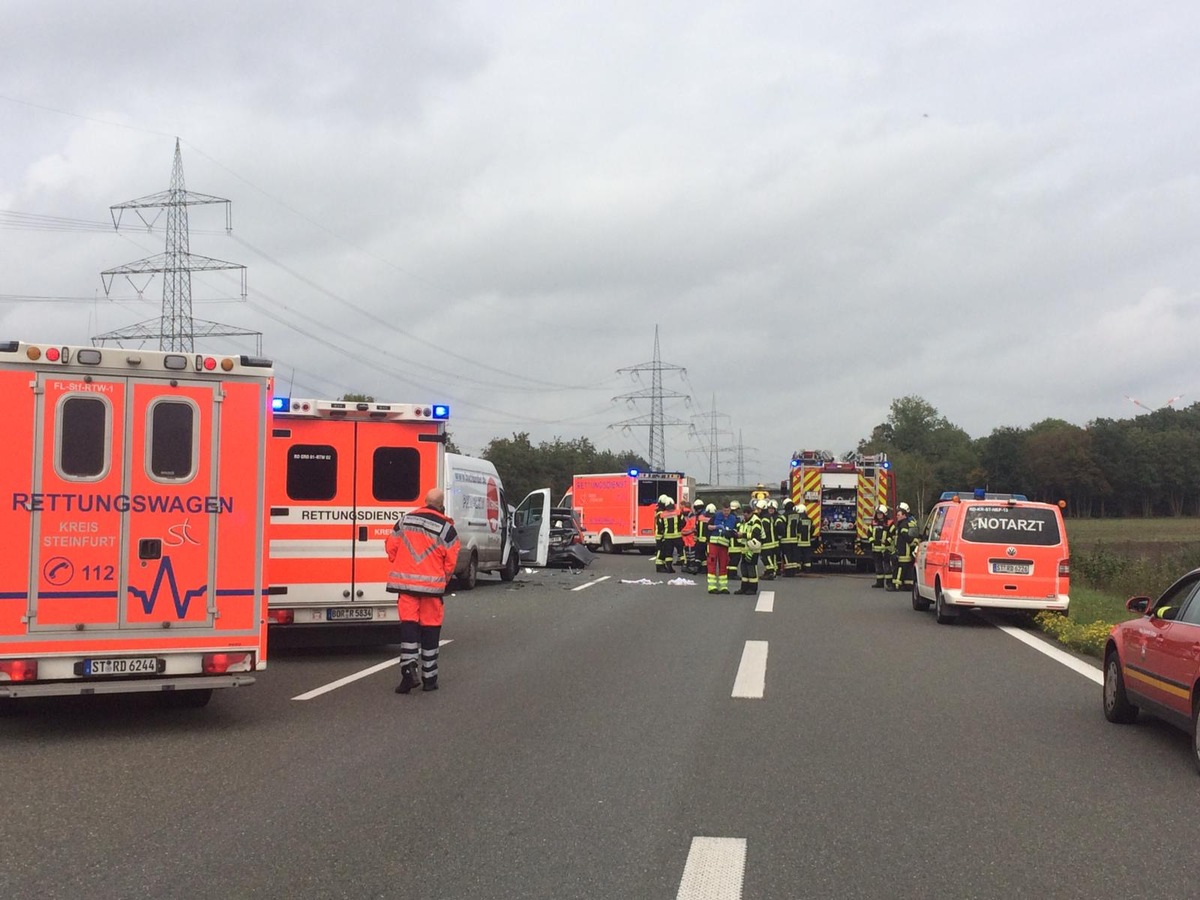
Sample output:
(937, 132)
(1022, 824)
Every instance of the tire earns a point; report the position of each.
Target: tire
(197, 699)
(1117, 707)
(920, 604)
(939, 608)
(470, 577)
(606, 544)
(511, 566)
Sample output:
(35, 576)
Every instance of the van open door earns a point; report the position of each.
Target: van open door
(531, 528)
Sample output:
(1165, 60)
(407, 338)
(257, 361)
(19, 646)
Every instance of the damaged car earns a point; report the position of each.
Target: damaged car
(548, 536)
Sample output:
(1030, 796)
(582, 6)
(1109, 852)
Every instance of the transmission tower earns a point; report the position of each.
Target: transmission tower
(739, 456)
(175, 329)
(655, 421)
(710, 446)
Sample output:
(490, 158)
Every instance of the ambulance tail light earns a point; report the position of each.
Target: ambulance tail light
(18, 670)
(221, 663)
(281, 616)
(954, 563)
(1064, 568)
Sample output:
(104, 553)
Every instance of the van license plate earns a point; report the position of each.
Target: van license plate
(132, 665)
(1012, 568)
(344, 613)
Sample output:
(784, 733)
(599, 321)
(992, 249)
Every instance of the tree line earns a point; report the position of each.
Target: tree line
(1146, 466)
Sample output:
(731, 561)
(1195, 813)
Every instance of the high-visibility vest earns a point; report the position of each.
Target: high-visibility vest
(423, 549)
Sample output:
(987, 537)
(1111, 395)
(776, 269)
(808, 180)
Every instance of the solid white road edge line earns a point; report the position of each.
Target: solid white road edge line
(584, 587)
(752, 673)
(1087, 671)
(715, 869)
(766, 602)
(342, 682)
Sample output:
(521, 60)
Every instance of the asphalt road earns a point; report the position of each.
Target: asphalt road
(583, 739)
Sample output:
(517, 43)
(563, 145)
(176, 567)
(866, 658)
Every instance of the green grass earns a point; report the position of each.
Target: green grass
(1113, 560)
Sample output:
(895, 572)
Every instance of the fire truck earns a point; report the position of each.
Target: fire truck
(616, 510)
(340, 473)
(840, 497)
(133, 521)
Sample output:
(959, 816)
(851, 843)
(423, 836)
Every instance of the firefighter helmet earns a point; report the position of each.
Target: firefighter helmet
(882, 511)
(711, 508)
(733, 504)
(760, 504)
(903, 507)
(754, 545)
(787, 503)
(664, 499)
(699, 504)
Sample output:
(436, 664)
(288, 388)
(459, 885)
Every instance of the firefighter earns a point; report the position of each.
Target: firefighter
(423, 550)
(668, 536)
(767, 514)
(719, 530)
(907, 538)
(733, 569)
(753, 532)
(703, 530)
(804, 539)
(789, 543)
(877, 537)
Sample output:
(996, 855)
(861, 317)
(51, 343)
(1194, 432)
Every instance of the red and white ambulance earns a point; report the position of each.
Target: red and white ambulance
(339, 475)
(617, 510)
(133, 521)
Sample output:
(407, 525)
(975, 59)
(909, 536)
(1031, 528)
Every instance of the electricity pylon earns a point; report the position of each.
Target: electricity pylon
(174, 329)
(710, 447)
(655, 421)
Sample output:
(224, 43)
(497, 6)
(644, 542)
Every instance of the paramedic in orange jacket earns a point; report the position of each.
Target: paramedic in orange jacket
(423, 549)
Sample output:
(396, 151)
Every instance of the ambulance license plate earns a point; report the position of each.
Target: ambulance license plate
(344, 613)
(1011, 568)
(130, 665)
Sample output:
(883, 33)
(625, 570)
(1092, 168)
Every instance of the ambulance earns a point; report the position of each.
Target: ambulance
(983, 550)
(340, 474)
(133, 521)
(616, 510)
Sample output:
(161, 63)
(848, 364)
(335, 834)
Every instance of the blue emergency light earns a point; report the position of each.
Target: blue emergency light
(280, 404)
(885, 464)
(795, 463)
(633, 473)
(441, 411)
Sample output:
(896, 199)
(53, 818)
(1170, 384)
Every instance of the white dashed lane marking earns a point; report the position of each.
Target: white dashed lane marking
(715, 869)
(766, 602)
(584, 587)
(752, 673)
(349, 679)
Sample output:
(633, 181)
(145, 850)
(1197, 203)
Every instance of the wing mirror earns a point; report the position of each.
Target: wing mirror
(1137, 604)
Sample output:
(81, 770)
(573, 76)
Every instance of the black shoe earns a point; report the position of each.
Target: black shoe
(430, 684)
(891, 588)
(713, 591)
(877, 584)
(723, 591)
(660, 568)
(408, 679)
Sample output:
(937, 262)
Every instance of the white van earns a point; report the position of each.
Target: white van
(475, 501)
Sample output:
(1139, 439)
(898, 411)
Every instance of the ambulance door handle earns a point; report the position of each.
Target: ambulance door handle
(362, 532)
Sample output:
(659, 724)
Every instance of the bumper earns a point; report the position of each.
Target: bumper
(124, 686)
(1031, 604)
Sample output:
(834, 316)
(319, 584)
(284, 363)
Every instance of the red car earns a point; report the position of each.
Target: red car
(1152, 663)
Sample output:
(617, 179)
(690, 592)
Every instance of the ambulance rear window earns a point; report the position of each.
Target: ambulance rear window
(82, 430)
(172, 439)
(1011, 525)
(311, 472)
(396, 474)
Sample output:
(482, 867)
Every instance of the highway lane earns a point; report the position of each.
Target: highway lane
(584, 738)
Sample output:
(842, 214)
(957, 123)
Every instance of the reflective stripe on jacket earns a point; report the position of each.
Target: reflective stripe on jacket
(423, 549)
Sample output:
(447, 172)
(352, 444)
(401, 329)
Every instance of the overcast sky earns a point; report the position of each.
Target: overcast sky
(822, 206)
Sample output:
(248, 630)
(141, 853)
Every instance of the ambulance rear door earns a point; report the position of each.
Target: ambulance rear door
(126, 517)
(396, 463)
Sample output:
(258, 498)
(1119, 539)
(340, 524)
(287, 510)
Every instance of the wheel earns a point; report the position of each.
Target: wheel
(471, 576)
(1117, 707)
(920, 604)
(187, 699)
(511, 566)
(940, 609)
(606, 544)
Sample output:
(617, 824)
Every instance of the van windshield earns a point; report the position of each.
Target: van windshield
(1011, 525)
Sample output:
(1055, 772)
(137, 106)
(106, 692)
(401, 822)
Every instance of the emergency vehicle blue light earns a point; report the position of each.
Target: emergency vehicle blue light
(980, 493)
(885, 465)
(440, 411)
(795, 463)
(633, 473)
(280, 404)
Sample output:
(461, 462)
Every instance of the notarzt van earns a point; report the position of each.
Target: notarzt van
(339, 475)
(617, 510)
(133, 521)
(992, 550)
